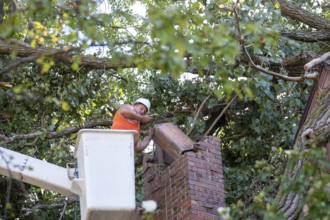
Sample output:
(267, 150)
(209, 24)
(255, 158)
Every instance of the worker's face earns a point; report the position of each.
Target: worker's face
(140, 109)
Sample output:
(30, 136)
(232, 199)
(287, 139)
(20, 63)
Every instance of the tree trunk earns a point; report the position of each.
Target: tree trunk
(316, 130)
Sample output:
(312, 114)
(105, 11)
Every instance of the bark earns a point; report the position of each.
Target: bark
(294, 65)
(304, 36)
(54, 206)
(314, 21)
(318, 122)
(316, 129)
(317, 61)
(58, 134)
(295, 12)
(21, 49)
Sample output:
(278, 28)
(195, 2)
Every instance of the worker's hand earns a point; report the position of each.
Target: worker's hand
(147, 118)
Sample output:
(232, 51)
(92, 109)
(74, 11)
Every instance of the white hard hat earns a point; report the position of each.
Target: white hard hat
(144, 101)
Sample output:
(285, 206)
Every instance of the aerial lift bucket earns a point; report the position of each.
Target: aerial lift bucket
(106, 176)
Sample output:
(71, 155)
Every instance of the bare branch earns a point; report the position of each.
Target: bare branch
(312, 76)
(199, 109)
(226, 8)
(269, 72)
(6, 85)
(312, 36)
(119, 43)
(221, 114)
(63, 211)
(317, 61)
(38, 207)
(18, 63)
(91, 124)
(59, 134)
(234, 137)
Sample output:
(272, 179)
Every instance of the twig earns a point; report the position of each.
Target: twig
(19, 62)
(257, 67)
(223, 140)
(63, 211)
(33, 142)
(219, 116)
(38, 207)
(226, 8)
(199, 109)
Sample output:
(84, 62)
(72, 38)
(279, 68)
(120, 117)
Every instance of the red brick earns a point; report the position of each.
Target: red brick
(191, 187)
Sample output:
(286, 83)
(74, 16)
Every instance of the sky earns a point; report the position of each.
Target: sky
(105, 8)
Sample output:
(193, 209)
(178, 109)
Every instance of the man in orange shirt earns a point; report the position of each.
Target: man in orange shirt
(128, 117)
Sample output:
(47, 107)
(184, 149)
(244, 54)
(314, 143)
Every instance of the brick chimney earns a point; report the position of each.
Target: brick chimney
(188, 186)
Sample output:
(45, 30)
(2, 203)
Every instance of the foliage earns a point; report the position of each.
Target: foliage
(313, 176)
(84, 63)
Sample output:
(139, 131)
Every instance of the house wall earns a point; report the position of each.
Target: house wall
(191, 187)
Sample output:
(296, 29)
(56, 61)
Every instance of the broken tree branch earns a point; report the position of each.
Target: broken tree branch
(317, 61)
(6, 85)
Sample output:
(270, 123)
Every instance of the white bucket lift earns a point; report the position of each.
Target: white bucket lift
(106, 181)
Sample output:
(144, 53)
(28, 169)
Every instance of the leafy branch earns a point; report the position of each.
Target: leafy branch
(257, 67)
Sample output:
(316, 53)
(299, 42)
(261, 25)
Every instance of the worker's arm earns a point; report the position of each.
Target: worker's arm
(139, 147)
(128, 112)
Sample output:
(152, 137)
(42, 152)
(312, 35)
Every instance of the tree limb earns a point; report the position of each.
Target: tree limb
(219, 116)
(91, 124)
(6, 85)
(23, 50)
(63, 211)
(316, 130)
(297, 13)
(269, 72)
(317, 61)
(59, 134)
(19, 62)
(197, 113)
(39, 207)
(94, 44)
(318, 120)
(312, 36)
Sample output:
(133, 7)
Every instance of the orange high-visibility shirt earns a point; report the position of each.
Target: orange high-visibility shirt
(121, 123)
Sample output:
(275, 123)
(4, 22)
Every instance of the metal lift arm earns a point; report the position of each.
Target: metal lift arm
(34, 171)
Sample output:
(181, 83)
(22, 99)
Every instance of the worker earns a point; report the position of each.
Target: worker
(128, 117)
